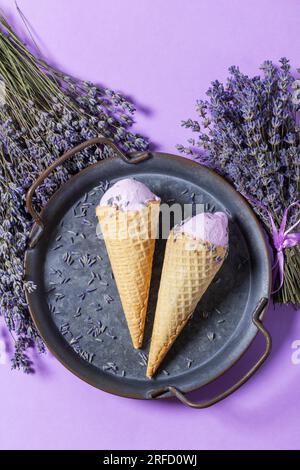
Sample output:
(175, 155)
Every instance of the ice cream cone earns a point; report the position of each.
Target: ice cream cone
(189, 267)
(130, 241)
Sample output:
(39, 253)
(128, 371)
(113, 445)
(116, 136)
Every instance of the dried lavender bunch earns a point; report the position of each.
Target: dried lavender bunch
(43, 113)
(248, 132)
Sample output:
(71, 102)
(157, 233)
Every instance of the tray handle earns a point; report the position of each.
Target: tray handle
(205, 404)
(135, 158)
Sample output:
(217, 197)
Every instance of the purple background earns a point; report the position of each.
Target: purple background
(163, 53)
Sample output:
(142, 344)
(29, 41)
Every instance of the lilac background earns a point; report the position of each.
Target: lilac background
(163, 53)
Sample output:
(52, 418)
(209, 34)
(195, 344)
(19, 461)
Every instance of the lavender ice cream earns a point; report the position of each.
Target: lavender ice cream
(128, 195)
(212, 228)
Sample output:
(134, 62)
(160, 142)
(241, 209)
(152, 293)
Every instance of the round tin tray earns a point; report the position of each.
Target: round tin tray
(76, 307)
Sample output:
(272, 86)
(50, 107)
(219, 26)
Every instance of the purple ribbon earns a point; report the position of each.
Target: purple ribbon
(281, 238)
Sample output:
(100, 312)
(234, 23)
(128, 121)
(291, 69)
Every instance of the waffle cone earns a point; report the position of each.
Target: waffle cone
(130, 241)
(189, 267)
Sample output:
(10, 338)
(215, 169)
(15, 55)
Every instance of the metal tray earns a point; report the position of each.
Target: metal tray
(79, 314)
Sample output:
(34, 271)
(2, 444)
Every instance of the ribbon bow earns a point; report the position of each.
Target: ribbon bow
(282, 239)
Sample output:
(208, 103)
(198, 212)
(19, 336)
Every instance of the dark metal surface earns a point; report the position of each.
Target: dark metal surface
(134, 158)
(206, 404)
(83, 324)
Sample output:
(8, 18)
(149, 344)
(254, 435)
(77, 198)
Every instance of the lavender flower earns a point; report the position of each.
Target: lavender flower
(249, 133)
(38, 122)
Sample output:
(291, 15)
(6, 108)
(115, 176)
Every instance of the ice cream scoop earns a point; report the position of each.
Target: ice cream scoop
(208, 227)
(128, 195)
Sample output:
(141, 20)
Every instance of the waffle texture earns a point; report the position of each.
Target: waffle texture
(130, 241)
(189, 267)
